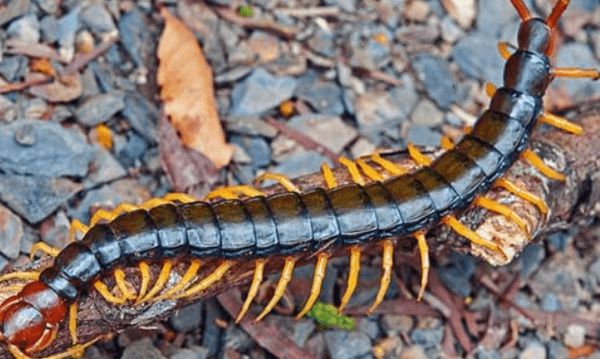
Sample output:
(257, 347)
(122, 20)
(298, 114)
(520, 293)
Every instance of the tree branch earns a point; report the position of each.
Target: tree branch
(571, 202)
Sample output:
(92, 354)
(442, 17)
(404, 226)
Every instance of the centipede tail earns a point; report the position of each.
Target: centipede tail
(384, 200)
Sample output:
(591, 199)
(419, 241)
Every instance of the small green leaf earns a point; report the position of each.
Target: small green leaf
(328, 317)
(246, 11)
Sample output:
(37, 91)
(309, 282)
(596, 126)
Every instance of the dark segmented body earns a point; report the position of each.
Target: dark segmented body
(291, 222)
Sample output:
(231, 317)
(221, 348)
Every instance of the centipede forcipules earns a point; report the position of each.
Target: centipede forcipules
(255, 227)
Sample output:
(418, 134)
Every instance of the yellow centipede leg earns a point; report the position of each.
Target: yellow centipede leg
(154, 202)
(103, 214)
(471, 235)
(44, 248)
(212, 278)
(446, 143)
(315, 290)
(247, 191)
(221, 192)
(503, 50)
(506, 211)
(490, 89)
(286, 276)
(162, 279)
(73, 322)
(387, 263)
(103, 290)
(369, 171)
(330, 180)
(353, 170)
(424, 252)
(539, 164)
(523, 193)
(352, 277)
(189, 275)
(575, 72)
(124, 286)
(259, 268)
(77, 227)
(283, 180)
(391, 167)
(145, 276)
(561, 123)
(181, 197)
(417, 155)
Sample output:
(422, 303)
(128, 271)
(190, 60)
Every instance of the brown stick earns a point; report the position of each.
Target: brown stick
(568, 204)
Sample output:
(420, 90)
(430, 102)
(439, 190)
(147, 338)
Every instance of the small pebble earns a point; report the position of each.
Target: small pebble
(329, 131)
(435, 75)
(575, 336)
(25, 29)
(142, 349)
(99, 108)
(187, 318)
(413, 352)
(344, 344)
(260, 92)
(534, 350)
(427, 114)
(301, 163)
(11, 232)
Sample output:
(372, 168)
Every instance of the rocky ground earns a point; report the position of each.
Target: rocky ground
(361, 75)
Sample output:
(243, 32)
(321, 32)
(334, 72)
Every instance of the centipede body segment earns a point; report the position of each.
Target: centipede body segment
(247, 225)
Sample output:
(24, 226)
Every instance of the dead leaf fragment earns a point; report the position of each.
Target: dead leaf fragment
(463, 11)
(63, 89)
(187, 92)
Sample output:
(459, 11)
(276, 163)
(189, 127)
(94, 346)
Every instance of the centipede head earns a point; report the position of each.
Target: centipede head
(30, 319)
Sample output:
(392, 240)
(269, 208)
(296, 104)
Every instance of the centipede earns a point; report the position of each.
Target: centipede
(384, 201)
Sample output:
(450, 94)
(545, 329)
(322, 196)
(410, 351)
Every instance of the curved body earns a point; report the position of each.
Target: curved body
(291, 222)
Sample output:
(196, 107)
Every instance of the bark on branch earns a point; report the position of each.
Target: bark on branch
(571, 202)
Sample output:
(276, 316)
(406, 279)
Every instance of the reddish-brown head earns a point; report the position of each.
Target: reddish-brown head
(30, 319)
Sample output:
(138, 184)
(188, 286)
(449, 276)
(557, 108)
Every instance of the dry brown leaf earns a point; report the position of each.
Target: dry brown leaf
(187, 92)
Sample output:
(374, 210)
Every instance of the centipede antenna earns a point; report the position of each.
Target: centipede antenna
(352, 277)
(391, 167)
(523, 193)
(539, 164)
(162, 279)
(211, 279)
(315, 290)
(283, 180)
(353, 170)
(369, 171)
(286, 276)
(259, 268)
(495, 206)
(145, 276)
(557, 11)
(44, 248)
(418, 156)
(73, 322)
(576, 72)
(328, 176)
(387, 263)
(522, 9)
(188, 276)
(424, 252)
